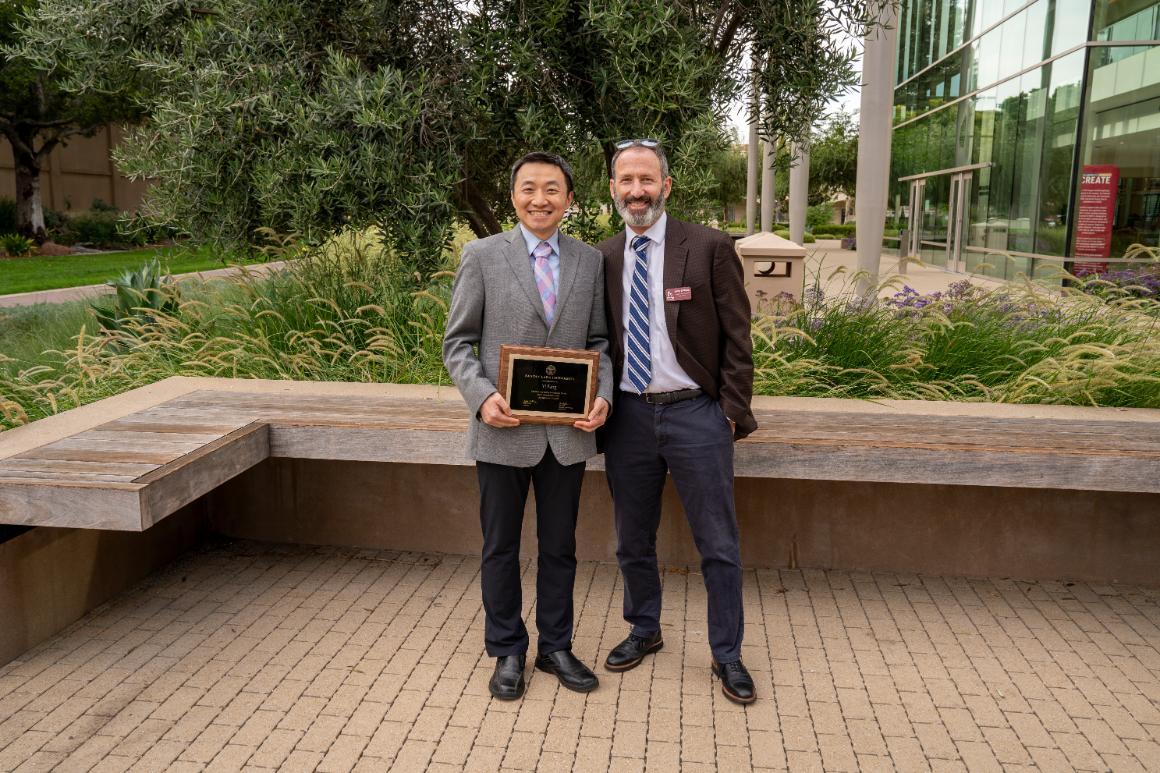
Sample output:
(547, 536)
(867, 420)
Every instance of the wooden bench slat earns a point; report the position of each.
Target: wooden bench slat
(60, 475)
(89, 455)
(61, 465)
(131, 424)
(149, 463)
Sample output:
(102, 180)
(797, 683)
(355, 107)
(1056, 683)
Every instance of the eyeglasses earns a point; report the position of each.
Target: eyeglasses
(646, 142)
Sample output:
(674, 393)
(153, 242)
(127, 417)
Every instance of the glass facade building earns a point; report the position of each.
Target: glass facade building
(1004, 109)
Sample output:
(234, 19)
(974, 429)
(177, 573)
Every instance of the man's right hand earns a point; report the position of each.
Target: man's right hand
(496, 413)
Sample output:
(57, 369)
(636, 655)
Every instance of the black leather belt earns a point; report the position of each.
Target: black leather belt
(667, 398)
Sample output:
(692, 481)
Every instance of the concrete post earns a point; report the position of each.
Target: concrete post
(799, 183)
(874, 147)
(752, 173)
(767, 193)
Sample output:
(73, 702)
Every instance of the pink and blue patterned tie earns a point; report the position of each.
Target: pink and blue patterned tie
(545, 283)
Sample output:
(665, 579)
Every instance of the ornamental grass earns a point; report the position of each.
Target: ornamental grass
(1022, 343)
(353, 312)
(348, 312)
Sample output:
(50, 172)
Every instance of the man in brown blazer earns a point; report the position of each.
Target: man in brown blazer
(683, 366)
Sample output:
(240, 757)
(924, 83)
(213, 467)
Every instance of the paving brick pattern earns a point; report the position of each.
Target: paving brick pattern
(247, 655)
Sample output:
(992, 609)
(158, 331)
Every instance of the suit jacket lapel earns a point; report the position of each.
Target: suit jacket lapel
(676, 254)
(569, 266)
(521, 265)
(614, 284)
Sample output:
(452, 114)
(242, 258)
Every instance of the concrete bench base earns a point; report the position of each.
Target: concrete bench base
(945, 530)
(51, 577)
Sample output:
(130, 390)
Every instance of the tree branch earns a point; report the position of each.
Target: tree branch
(730, 33)
(19, 146)
(472, 205)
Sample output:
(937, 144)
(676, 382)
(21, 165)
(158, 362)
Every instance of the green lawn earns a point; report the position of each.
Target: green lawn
(22, 275)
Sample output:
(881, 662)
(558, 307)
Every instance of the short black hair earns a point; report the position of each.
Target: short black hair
(540, 157)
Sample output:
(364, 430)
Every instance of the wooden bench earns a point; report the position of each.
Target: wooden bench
(128, 462)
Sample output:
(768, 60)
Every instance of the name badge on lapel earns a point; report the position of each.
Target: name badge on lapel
(673, 294)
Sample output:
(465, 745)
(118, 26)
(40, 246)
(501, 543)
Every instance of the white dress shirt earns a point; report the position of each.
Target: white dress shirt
(667, 374)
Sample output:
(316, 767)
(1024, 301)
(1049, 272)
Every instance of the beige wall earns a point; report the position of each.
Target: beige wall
(949, 530)
(50, 578)
(77, 173)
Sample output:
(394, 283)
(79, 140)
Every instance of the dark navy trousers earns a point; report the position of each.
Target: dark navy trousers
(692, 441)
(503, 491)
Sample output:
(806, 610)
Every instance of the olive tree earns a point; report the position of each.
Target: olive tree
(305, 116)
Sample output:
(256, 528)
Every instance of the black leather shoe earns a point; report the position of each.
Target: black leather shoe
(507, 683)
(630, 652)
(735, 681)
(571, 672)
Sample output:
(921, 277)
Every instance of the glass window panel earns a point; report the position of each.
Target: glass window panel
(1035, 43)
(1060, 113)
(1025, 164)
(1014, 33)
(1069, 27)
(1122, 129)
(964, 131)
(957, 21)
(1003, 159)
(1127, 20)
(987, 13)
(984, 131)
(986, 58)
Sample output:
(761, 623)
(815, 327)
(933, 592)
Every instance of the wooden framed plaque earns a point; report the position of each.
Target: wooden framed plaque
(548, 386)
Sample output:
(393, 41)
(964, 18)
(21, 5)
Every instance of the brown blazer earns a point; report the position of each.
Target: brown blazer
(710, 332)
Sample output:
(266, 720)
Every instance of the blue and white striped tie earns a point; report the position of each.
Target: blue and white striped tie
(638, 362)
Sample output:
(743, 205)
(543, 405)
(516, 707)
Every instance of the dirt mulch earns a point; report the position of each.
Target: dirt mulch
(54, 250)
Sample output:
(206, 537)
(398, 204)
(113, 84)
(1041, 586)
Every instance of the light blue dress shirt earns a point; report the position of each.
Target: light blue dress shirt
(532, 241)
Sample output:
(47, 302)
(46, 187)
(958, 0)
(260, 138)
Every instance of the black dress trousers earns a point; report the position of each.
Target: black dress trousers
(691, 440)
(503, 491)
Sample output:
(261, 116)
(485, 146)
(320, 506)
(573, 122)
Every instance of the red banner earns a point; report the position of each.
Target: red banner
(1098, 184)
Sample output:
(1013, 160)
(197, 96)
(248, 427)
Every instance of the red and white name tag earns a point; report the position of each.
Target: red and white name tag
(678, 294)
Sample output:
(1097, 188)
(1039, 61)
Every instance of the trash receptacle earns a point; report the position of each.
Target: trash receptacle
(773, 266)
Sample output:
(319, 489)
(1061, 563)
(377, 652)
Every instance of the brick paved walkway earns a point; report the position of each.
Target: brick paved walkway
(269, 656)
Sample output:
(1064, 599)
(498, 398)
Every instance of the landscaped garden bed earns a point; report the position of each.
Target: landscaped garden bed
(354, 313)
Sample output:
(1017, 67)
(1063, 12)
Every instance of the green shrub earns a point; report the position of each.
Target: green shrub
(807, 238)
(54, 221)
(93, 229)
(7, 215)
(16, 246)
(836, 230)
(819, 214)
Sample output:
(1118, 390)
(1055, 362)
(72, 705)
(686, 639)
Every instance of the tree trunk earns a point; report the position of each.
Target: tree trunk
(474, 208)
(29, 209)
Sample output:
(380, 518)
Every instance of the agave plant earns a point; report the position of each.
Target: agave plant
(142, 296)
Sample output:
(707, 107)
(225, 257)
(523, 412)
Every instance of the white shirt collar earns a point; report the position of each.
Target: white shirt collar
(655, 233)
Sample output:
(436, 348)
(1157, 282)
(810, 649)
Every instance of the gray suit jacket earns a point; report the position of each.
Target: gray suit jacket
(495, 301)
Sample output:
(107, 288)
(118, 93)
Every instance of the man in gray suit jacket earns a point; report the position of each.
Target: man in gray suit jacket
(531, 286)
